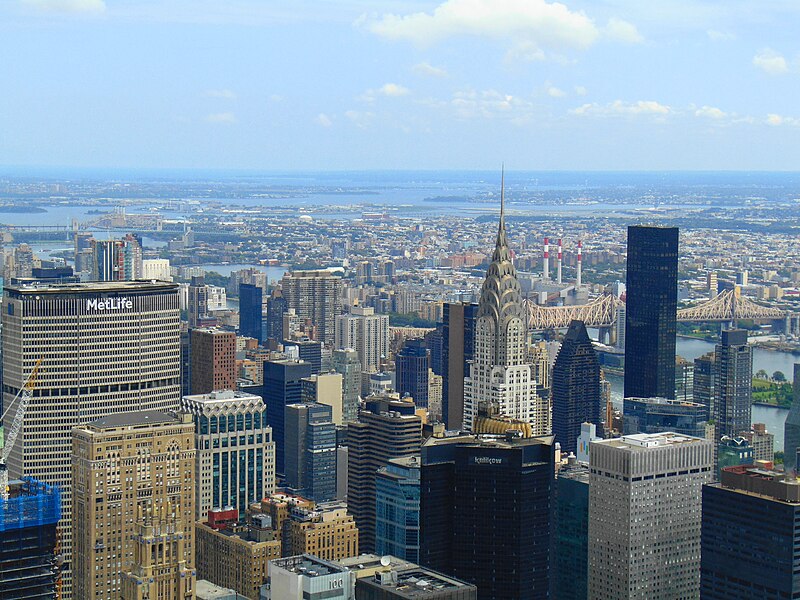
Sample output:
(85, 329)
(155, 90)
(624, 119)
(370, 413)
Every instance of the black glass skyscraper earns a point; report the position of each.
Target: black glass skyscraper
(652, 303)
(458, 348)
(576, 387)
(250, 318)
(412, 365)
(485, 513)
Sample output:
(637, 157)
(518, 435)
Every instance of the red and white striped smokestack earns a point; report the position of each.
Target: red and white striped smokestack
(560, 256)
(580, 260)
(546, 258)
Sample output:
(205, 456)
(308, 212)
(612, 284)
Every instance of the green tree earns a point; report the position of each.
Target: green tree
(762, 374)
(779, 376)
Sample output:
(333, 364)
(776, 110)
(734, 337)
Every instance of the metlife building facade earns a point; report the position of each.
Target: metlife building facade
(105, 347)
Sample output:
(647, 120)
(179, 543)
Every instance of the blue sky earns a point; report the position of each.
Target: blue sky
(372, 84)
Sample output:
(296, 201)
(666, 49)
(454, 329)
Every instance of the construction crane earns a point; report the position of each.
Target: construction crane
(24, 396)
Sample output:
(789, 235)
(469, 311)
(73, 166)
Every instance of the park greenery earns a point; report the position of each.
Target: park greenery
(776, 391)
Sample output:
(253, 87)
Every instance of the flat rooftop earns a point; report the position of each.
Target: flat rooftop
(133, 419)
(643, 441)
(89, 287)
(667, 402)
(308, 565)
(221, 396)
(414, 582)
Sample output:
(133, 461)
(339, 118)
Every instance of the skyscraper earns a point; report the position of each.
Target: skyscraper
(250, 311)
(644, 516)
(791, 430)
(106, 348)
(276, 307)
(458, 348)
(411, 366)
(652, 302)
(346, 362)
(197, 304)
(751, 532)
(733, 384)
(485, 513)
(282, 386)
(703, 386)
(310, 451)
(386, 429)
(314, 295)
(570, 568)
(235, 452)
(576, 387)
(397, 508)
(500, 382)
(213, 360)
(656, 415)
(307, 350)
(139, 467)
(367, 332)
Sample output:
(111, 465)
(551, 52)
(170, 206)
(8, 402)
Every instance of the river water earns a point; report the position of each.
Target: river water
(772, 416)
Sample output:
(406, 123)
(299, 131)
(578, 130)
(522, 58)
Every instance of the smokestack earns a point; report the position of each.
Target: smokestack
(546, 260)
(580, 260)
(560, 256)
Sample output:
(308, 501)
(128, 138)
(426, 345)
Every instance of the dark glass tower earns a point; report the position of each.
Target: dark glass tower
(733, 384)
(576, 387)
(791, 430)
(412, 364)
(571, 534)
(458, 348)
(276, 306)
(652, 303)
(485, 513)
(250, 318)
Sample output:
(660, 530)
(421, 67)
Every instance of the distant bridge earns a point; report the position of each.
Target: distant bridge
(729, 305)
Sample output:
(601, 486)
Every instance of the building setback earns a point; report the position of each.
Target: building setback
(485, 513)
(651, 311)
(644, 516)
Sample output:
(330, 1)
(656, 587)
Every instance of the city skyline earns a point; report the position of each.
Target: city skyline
(376, 85)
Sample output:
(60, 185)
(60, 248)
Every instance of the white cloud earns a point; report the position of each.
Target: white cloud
(67, 6)
(622, 31)
(771, 62)
(620, 108)
(393, 89)
(323, 120)
(555, 92)
(224, 94)
(226, 118)
(362, 120)
(543, 24)
(581, 90)
(710, 112)
(720, 36)
(425, 68)
(490, 104)
(778, 120)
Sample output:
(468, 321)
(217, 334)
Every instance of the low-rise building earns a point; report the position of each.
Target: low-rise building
(306, 576)
(326, 531)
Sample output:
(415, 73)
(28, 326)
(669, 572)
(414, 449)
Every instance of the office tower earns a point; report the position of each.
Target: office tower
(276, 307)
(751, 532)
(85, 334)
(762, 442)
(411, 371)
(304, 576)
(294, 324)
(651, 305)
(386, 429)
(733, 383)
(234, 553)
(368, 333)
(458, 348)
(791, 429)
(347, 363)
(470, 526)
(250, 311)
(500, 382)
(186, 361)
(326, 531)
(282, 386)
(705, 369)
(117, 260)
(197, 302)
(644, 516)
(435, 341)
(656, 415)
(235, 452)
(570, 569)
(684, 379)
(711, 284)
(139, 467)
(397, 508)
(23, 261)
(28, 540)
(307, 350)
(619, 326)
(325, 389)
(314, 295)
(310, 451)
(435, 396)
(213, 360)
(162, 566)
(156, 268)
(576, 387)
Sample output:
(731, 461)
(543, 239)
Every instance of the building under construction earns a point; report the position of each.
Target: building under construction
(29, 550)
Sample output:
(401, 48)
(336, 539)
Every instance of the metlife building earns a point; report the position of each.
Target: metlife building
(105, 348)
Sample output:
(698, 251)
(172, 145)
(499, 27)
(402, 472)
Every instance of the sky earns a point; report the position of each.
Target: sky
(388, 84)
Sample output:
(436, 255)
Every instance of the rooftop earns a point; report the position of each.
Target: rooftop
(308, 565)
(92, 287)
(134, 419)
(414, 582)
(642, 441)
(221, 396)
(667, 401)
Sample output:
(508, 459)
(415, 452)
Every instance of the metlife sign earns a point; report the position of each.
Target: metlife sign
(108, 304)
